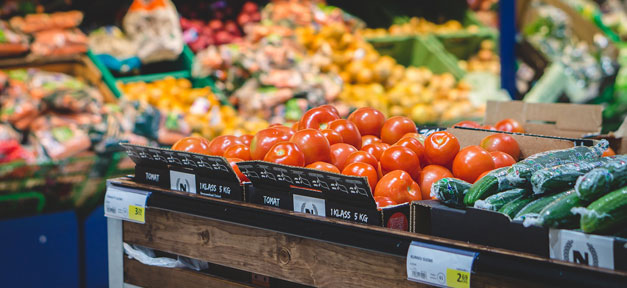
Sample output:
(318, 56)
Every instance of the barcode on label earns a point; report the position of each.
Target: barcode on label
(110, 210)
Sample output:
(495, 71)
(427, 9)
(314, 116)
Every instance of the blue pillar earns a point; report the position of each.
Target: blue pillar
(507, 42)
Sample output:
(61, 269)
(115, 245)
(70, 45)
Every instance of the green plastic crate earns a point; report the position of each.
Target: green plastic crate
(418, 51)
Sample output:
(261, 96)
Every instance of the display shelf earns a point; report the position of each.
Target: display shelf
(311, 250)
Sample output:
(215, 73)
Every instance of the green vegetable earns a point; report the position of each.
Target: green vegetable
(450, 191)
(602, 180)
(534, 208)
(510, 209)
(517, 175)
(605, 215)
(486, 186)
(558, 213)
(563, 177)
(496, 201)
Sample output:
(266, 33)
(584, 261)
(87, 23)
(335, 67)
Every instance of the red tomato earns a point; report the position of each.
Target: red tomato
(332, 136)
(317, 118)
(501, 142)
(368, 120)
(394, 128)
(330, 108)
(294, 126)
(313, 144)
(441, 148)
(384, 201)
(420, 137)
(400, 158)
(376, 149)
(362, 170)
(240, 175)
(339, 154)
(470, 162)
(379, 171)
(398, 186)
(246, 139)
(324, 166)
(348, 130)
(608, 152)
(369, 139)
(285, 153)
(363, 157)
(264, 139)
(502, 159)
(482, 174)
(509, 125)
(241, 151)
(489, 127)
(413, 144)
(192, 144)
(467, 124)
(218, 145)
(429, 175)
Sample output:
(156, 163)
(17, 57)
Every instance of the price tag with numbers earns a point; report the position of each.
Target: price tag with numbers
(126, 204)
(439, 266)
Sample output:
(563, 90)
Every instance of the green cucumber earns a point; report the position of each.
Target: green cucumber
(517, 175)
(510, 209)
(450, 191)
(487, 186)
(498, 200)
(558, 213)
(600, 181)
(534, 208)
(563, 177)
(605, 215)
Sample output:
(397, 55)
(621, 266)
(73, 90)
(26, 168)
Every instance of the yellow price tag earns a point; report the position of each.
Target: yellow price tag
(136, 213)
(457, 279)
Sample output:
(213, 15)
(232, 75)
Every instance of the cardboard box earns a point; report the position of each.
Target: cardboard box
(617, 139)
(550, 119)
(320, 193)
(210, 176)
(494, 229)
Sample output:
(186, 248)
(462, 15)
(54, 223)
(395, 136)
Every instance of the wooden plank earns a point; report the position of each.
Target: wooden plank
(278, 255)
(147, 276)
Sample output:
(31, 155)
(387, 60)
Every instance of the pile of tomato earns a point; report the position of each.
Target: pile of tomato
(399, 163)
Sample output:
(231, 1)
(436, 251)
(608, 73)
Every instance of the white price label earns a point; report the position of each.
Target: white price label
(310, 205)
(439, 266)
(581, 248)
(183, 182)
(126, 204)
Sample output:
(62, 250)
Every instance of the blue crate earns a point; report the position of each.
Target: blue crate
(96, 268)
(40, 251)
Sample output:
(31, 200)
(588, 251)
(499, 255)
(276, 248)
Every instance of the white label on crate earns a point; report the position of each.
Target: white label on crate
(183, 182)
(126, 204)
(581, 248)
(439, 266)
(310, 205)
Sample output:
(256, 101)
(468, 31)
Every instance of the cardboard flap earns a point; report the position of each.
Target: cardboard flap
(217, 167)
(335, 186)
(529, 144)
(555, 119)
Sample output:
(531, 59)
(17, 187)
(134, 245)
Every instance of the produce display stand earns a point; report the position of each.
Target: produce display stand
(303, 249)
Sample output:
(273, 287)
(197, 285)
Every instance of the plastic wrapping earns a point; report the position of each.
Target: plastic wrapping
(558, 214)
(496, 201)
(147, 256)
(450, 191)
(602, 180)
(563, 177)
(517, 175)
(605, 215)
(534, 207)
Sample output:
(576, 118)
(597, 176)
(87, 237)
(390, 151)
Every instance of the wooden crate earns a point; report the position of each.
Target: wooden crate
(303, 249)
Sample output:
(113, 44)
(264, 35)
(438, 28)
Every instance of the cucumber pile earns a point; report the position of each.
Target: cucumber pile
(573, 188)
